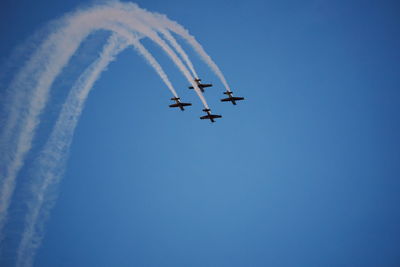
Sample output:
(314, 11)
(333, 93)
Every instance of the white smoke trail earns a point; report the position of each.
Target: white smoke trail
(52, 56)
(163, 24)
(178, 62)
(140, 48)
(52, 156)
(178, 29)
(180, 50)
(152, 20)
(129, 21)
(147, 55)
(39, 74)
(29, 116)
(51, 159)
(31, 237)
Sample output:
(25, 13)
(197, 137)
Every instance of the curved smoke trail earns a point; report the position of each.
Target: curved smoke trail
(33, 82)
(50, 163)
(54, 54)
(180, 50)
(153, 21)
(51, 159)
(165, 22)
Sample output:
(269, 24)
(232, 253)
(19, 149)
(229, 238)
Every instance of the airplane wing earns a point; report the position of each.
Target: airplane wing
(215, 116)
(235, 98)
(186, 104)
(210, 117)
(206, 85)
(173, 105)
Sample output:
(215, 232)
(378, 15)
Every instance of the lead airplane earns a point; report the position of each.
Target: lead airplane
(179, 104)
(209, 116)
(200, 85)
(231, 98)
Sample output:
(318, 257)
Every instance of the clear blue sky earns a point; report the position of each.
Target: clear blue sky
(305, 172)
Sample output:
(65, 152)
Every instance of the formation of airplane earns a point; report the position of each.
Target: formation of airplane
(209, 116)
(179, 104)
(200, 85)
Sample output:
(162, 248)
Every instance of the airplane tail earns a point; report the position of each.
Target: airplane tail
(206, 110)
(175, 98)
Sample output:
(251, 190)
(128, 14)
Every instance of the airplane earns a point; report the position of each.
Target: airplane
(179, 104)
(209, 116)
(231, 98)
(200, 85)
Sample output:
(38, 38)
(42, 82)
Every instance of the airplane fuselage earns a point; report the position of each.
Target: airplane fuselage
(179, 104)
(210, 116)
(231, 98)
(200, 85)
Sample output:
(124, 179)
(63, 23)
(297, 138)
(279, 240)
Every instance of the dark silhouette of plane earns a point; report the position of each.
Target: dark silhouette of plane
(231, 98)
(209, 116)
(179, 104)
(200, 85)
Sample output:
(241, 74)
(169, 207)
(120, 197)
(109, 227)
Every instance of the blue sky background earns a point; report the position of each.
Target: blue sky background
(305, 172)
